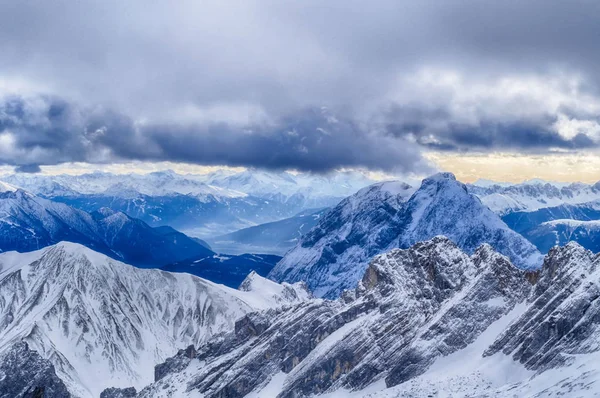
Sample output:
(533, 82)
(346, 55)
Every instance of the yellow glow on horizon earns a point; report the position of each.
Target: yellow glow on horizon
(502, 167)
(567, 167)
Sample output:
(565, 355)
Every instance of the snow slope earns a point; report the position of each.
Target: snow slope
(104, 323)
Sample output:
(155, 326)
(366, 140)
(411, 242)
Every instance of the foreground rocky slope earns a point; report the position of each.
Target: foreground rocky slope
(422, 321)
(411, 308)
(24, 373)
(99, 322)
(334, 254)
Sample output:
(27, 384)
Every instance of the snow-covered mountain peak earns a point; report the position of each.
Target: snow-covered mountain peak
(396, 188)
(571, 257)
(101, 322)
(442, 176)
(437, 260)
(105, 211)
(335, 253)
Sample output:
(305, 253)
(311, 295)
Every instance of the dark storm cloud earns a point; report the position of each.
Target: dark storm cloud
(529, 135)
(50, 131)
(229, 82)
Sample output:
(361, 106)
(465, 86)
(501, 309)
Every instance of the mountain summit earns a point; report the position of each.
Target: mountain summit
(334, 254)
(100, 322)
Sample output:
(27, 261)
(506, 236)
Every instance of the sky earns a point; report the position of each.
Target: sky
(499, 90)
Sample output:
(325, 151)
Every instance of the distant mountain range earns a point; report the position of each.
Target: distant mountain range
(547, 214)
(201, 205)
(28, 222)
(534, 195)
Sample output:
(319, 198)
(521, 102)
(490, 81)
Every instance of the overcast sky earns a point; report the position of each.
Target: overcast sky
(398, 86)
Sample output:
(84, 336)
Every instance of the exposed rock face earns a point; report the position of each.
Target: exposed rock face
(563, 318)
(119, 393)
(334, 255)
(25, 374)
(411, 307)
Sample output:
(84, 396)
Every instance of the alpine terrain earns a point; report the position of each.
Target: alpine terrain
(74, 319)
(28, 222)
(422, 321)
(335, 253)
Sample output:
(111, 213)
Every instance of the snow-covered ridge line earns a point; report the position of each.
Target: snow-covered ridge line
(573, 223)
(100, 321)
(29, 222)
(422, 320)
(335, 253)
(533, 195)
(219, 184)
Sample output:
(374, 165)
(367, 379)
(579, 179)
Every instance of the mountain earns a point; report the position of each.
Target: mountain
(162, 183)
(275, 237)
(28, 222)
(425, 321)
(229, 270)
(335, 253)
(99, 322)
(324, 188)
(204, 205)
(551, 226)
(560, 232)
(522, 221)
(533, 195)
(206, 217)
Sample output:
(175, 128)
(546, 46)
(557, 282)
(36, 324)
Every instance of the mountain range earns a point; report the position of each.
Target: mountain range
(203, 205)
(335, 253)
(418, 290)
(28, 222)
(425, 321)
(96, 322)
(533, 195)
(275, 237)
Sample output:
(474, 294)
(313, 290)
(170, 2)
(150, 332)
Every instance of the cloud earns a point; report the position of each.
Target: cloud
(445, 110)
(242, 83)
(47, 131)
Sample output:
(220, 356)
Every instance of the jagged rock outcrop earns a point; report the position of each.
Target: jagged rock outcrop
(112, 392)
(411, 307)
(563, 318)
(25, 374)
